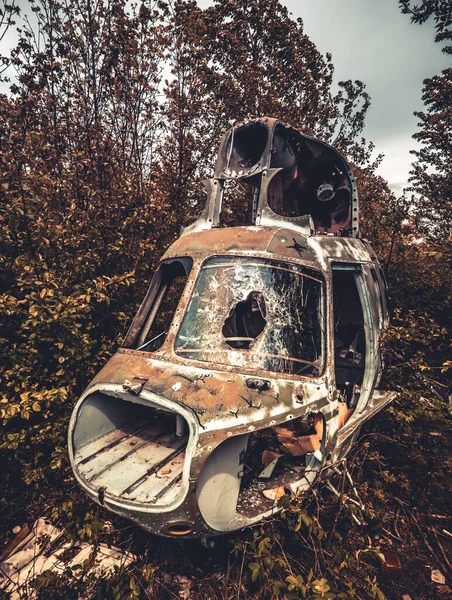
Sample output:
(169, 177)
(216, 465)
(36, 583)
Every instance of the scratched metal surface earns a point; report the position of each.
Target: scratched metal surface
(120, 466)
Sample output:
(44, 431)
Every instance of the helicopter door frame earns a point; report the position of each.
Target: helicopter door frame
(360, 275)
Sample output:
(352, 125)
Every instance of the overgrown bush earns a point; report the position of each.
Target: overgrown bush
(113, 118)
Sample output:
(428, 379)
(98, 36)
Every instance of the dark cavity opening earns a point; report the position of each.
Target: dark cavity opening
(277, 458)
(239, 203)
(313, 181)
(349, 339)
(246, 321)
(248, 145)
(130, 451)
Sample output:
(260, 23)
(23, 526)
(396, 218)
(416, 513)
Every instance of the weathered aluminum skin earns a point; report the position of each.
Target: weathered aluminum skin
(218, 397)
(222, 405)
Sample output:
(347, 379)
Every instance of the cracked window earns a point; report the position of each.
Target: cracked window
(256, 313)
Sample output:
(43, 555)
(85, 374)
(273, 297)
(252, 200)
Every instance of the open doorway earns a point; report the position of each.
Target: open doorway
(349, 338)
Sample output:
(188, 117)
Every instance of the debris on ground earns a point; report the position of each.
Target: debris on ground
(108, 527)
(274, 494)
(392, 564)
(163, 471)
(43, 548)
(438, 577)
(299, 443)
(268, 456)
(276, 458)
(184, 585)
(267, 472)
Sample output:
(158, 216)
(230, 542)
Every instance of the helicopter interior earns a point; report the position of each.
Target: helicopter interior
(313, 179)
(246, 321)
(349, 342)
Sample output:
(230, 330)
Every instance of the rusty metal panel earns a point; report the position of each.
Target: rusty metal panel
(164, 431)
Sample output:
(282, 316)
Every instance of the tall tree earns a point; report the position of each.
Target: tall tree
(235, 60)
(77, 140)
(440, 10)
(265, 64)
(9, 11)
(431, 176)
(431, 180)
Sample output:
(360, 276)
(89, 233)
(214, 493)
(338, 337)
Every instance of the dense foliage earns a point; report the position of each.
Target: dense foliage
(440, 10)
(431, 177)
(112, 118)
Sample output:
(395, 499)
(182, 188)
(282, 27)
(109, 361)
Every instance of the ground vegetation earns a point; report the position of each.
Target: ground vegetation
(110, 120)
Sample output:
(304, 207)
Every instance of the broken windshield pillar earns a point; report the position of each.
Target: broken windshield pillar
(256, 313)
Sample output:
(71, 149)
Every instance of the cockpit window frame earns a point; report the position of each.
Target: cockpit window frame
(196, 272)
(152, 301)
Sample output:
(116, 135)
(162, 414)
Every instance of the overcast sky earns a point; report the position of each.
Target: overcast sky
(372, 41)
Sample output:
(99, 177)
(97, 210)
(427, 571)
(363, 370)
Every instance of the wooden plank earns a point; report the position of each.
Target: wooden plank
(176, 482)
(155, 485)
(126, 472)
(105, 459)
(109, 440)
(170, 494)
(155, 468)
(17, 542)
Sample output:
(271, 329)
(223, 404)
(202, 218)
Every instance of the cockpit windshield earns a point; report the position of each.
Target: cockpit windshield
(256, 313)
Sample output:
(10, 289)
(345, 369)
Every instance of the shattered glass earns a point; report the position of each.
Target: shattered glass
(256, 313)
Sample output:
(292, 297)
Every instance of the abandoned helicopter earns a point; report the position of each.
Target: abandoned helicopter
(254, 358)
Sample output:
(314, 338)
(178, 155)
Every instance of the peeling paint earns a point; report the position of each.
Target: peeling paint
(275, 324)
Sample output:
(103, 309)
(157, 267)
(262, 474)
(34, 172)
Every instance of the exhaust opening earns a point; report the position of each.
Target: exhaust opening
(129, 451)
(178, 528)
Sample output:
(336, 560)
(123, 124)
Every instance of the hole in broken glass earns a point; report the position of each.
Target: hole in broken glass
(246, 321)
